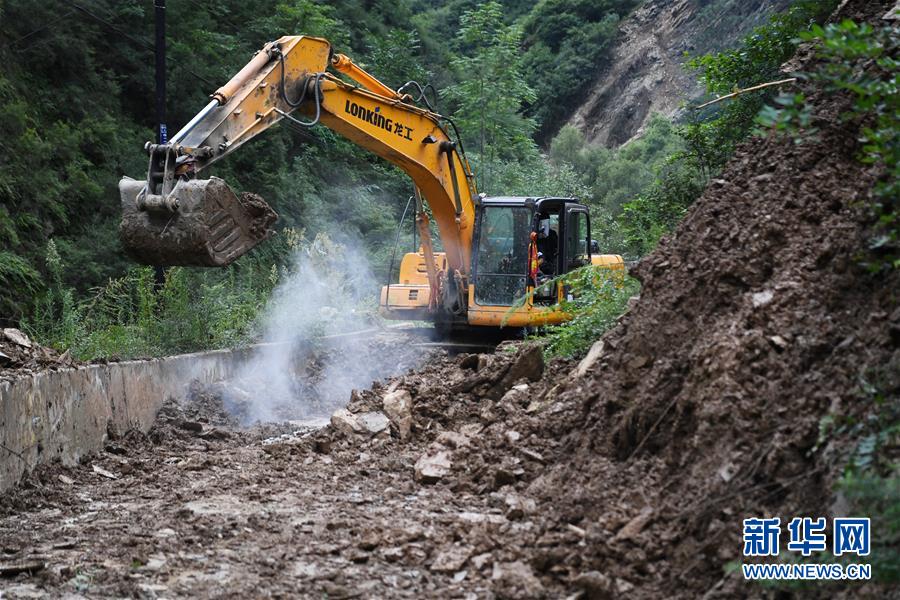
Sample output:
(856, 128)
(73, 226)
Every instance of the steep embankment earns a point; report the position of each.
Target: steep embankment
(645, 72)
(756, 325)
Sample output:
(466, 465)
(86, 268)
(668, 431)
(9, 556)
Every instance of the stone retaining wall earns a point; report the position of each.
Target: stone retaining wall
(64, 415)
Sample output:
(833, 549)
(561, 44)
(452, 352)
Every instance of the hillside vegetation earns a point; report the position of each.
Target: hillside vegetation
(77, 105)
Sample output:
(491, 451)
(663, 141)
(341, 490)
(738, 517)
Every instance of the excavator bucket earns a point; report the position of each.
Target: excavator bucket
(200, 222)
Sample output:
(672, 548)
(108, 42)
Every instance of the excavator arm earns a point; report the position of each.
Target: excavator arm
(174, 218)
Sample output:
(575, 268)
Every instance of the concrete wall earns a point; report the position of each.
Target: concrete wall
(63, 415)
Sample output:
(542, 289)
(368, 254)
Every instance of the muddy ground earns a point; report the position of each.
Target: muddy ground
(202, 507)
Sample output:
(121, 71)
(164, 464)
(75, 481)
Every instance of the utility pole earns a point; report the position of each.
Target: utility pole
(162, 134)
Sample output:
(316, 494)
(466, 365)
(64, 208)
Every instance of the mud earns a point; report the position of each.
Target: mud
(212, 227)
(201, 507)
(757, 326)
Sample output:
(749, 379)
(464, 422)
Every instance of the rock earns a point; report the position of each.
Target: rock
(397, 405)
(215, 434)
(595, 585)
(27, 566)
(762, 298)
(778, 341)
(482, 560)
(345, 422)
(5, 359)
(358, 556)
(512, 436)
(588, 361)
(635, 525)
(191, 426)
(527, 364)
(432, 467)
(304, 570)
(66, 480)
(451, 560)
(453, 440)
(101, 471)
(517, 394)
(516, 580)
(17, 337)
(65, 358)
(469, 361)
(517, 506)
(372, 422)
(369, 542)
(155, 562)
(478, 518)
(535, 456)
(503, 477)
(392, 554)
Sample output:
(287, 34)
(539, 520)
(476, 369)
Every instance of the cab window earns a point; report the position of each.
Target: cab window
(577, 240)
(502, 262)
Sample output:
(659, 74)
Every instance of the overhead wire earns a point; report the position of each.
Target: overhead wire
(38, 30)
(144, 43)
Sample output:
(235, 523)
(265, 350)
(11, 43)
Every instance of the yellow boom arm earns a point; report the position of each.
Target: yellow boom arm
(287, 79)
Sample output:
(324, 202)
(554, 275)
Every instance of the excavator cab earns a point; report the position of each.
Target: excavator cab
(520, 248)
(511, 233)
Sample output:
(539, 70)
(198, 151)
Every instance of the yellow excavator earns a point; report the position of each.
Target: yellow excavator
(495, 250)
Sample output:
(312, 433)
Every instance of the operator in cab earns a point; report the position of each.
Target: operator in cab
(547, 245)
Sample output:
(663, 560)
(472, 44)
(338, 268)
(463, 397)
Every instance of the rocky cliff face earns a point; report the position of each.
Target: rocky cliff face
(645, 72)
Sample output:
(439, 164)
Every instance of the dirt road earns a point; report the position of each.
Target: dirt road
(201, 507)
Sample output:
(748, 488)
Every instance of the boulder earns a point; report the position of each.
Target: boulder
(397, 405)
(17, 337)
(433, 466)
(372, 422)
(345, 422)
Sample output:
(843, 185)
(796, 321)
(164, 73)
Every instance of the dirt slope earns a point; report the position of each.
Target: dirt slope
(756, 321)
(645, 74)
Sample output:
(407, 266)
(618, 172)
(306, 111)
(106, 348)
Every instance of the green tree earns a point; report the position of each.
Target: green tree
(491, 90)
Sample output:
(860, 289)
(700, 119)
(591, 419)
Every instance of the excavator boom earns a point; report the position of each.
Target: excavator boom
(172, 218)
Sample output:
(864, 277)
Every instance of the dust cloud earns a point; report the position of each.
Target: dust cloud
(308, 365)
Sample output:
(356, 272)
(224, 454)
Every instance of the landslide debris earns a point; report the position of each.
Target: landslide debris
(758, 324)
(20, 355)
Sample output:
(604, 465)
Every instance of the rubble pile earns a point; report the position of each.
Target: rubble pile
(20, 355)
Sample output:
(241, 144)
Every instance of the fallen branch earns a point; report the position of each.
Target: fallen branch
(745, 90)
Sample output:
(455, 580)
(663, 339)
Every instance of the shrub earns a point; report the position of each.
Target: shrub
(599, 298)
